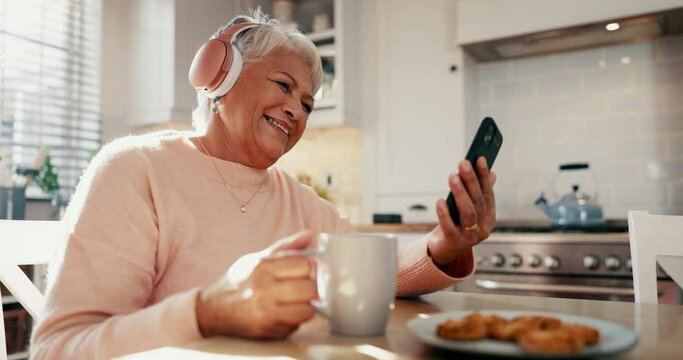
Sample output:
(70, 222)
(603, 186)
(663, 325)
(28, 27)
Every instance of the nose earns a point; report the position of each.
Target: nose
(294, 110)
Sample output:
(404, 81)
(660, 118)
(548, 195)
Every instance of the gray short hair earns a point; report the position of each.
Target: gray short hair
(257, 43)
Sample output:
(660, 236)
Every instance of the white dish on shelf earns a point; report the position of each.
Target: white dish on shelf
(327, 50)
(321, 35)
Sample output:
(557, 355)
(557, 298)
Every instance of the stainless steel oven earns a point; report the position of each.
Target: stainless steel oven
(560, 263)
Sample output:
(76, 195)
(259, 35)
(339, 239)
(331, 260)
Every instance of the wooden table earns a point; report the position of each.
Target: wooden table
(659, 329)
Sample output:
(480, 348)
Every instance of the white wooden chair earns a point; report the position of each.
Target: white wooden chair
(654, 239)
(24, 242)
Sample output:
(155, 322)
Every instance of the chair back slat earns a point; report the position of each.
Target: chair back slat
(24, 242)
(23, 289)
(654, 239)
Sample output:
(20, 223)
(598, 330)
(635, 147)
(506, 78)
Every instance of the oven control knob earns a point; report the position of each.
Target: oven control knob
(591, 262)
(534, 261)
(515, 260)
(612, 262)
(551, 262)
(497, 260)
(628, 264)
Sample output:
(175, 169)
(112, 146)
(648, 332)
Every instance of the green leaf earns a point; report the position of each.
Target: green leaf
(47, 177)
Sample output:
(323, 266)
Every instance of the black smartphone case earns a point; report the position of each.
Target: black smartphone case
(486, 143)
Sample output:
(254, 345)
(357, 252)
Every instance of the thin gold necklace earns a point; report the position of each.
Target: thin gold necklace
(243, 207)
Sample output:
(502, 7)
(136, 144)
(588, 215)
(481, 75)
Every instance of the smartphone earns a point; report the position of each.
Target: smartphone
(486, 143)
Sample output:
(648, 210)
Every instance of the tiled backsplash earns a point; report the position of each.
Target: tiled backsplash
(336, 152)
(620, 108)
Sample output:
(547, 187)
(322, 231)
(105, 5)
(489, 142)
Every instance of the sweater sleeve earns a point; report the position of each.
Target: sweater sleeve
(100, 287)
(417, 273)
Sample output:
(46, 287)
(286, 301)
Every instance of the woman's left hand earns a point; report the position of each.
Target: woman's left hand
(476, 204)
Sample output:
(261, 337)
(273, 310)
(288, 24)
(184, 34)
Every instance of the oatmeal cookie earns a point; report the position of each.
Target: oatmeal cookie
(557, 341)
(471, 327)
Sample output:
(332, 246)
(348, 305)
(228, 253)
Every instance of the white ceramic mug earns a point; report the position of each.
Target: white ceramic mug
(356, 277)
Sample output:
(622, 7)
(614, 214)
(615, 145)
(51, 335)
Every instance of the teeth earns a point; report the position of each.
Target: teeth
(278, 125)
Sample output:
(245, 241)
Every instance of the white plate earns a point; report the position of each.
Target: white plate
(614, 338)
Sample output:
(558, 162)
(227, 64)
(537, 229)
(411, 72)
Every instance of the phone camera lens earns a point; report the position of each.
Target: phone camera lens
(487, 139)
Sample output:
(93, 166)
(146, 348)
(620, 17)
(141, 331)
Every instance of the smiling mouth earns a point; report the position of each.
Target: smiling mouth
(277, 125)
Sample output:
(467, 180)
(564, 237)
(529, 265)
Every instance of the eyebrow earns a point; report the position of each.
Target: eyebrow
(306, 96)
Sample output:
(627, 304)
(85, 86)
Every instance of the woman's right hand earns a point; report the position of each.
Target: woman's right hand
(270, 303)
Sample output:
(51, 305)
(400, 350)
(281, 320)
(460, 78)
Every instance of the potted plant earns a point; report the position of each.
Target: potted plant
(48, 180)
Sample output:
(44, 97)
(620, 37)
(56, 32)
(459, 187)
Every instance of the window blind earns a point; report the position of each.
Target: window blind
(49, 83)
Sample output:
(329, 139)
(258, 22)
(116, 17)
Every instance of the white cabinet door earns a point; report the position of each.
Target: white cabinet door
(483, 20)
(420, 127)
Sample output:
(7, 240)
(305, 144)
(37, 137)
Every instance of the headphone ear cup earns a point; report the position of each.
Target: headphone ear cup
(218, 63)
(210, 65)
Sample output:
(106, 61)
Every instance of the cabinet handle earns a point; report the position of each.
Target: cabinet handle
(417, 207)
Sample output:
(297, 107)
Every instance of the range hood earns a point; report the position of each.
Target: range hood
(625, 30)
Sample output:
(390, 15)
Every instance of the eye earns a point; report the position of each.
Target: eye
(283, 85)
(307, 108)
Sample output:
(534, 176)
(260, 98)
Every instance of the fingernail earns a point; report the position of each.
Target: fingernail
(483, 161)
(467, 166)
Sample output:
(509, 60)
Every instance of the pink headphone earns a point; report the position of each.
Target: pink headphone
(217, 64)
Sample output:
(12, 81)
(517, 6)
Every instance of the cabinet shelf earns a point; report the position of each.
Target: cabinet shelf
(328, 50)
(325, 103)
(337, 104)
(18, 356)
(320, 36)
(8, 299)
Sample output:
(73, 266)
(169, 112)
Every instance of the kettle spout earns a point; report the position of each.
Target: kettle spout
(542, 203)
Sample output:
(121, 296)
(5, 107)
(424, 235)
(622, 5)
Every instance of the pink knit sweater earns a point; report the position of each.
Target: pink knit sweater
(151, 223)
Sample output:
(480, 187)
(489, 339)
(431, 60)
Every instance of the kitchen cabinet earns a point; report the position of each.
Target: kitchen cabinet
(334, 26)
(418, 135)
(482, 20)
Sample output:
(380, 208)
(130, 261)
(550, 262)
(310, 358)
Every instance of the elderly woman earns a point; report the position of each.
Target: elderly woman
(158, 219)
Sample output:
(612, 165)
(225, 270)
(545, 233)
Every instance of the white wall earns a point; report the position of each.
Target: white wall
(619, 108)
(195, 21)
(479, 20)
(150, 55)
(114, 67)
(147, 48)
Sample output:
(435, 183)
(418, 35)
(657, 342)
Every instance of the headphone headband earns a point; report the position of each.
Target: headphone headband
(230, 34)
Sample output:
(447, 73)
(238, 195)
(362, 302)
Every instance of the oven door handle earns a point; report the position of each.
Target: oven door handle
(581, 289)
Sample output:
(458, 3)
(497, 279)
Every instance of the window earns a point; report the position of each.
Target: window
(49, 83)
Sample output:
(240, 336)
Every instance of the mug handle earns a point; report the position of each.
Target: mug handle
(323, 305)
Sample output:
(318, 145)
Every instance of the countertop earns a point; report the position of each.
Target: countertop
(395, 228)
(501, 224)
(659, 329)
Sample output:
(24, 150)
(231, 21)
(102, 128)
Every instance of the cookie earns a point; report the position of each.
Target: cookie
(471, 327)
(587, 334)
(547, 342)
(511, 330)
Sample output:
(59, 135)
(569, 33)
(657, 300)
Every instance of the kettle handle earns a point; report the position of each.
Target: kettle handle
(576, 166)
